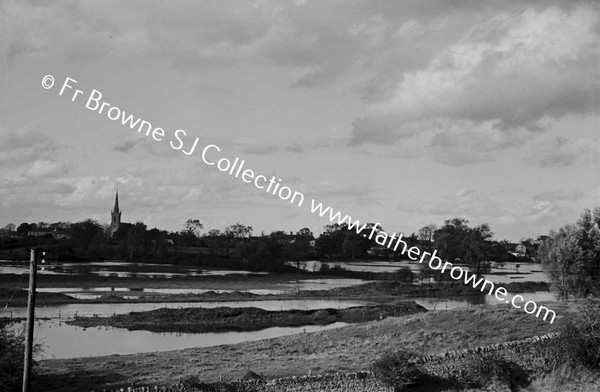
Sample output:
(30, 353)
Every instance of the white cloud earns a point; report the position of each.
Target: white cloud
(512, 73)
(46, 168)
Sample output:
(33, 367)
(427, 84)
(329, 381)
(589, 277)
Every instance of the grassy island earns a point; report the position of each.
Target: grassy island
(196, 320)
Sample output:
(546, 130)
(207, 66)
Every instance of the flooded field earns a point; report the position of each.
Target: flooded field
(289, 287)
(108, 309)
(60, 340)
(66, 341)
(539, 297)
(118, 269)
(501, 272)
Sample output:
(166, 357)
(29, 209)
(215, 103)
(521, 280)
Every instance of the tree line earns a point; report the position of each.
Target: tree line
(455, 240)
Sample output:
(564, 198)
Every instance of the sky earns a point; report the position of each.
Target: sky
(404, 113)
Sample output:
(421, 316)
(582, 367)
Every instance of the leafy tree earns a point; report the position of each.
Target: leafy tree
(571, 256)
(478, 247)
(242, 250)
(154, 242)
(305, 232)
(500, 250)
(10, 228)
(99, 248)
(456, 241)
(135, 238)
(192, 229)
(214, 233)
(238, 231)
(451, 239)
(23, 229)
(338, 240)
(83, 233)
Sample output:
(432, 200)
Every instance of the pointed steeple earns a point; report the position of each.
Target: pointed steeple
(116, 208)
(115, 215)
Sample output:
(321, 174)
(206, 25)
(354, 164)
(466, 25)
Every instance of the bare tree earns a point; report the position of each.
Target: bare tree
(426, 233)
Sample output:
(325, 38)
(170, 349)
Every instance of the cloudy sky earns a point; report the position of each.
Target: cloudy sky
(406, 113)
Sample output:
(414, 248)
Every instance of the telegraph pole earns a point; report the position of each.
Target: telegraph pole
(30, 321)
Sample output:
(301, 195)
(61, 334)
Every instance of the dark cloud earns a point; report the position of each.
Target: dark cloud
(295, 147)
(564, 152)
(126, 145)
(21, 146)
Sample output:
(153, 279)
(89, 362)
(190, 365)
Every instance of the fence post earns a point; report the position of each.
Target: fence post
(30, 322)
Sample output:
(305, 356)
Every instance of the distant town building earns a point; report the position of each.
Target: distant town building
(521, 249)
(42, 232)
(115, 218)
(48, 232)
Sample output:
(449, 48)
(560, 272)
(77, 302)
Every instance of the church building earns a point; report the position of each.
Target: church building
(115, 218)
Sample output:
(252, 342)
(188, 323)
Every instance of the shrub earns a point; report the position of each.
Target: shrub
(489, 369)
(397, 371)
(11, 359)
(579, 342)
(190, 381)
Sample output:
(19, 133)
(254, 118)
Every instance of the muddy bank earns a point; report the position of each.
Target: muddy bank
(221, 319)
(18, 298)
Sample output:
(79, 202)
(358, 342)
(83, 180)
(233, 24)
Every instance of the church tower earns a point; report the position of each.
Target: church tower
(115, 215)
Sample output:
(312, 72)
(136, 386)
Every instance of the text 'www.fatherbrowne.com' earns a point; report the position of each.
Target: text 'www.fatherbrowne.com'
(396, 243)
(212, 155)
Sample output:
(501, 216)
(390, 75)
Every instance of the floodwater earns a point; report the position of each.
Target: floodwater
(66, 341)
(70, 310)
(117, 269)
(290, 287)
(501, 272)
(540, 297)
(60, 340)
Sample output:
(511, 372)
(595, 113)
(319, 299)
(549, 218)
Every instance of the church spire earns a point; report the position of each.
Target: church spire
(115, 215)
(116, 208)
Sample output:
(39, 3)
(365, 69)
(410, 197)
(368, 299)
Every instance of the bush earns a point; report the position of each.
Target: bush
(397, 371)
(11, 360)
(579, 342)
(491, 369)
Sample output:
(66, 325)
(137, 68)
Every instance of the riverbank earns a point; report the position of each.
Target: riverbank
(346, 349)
(223, 319)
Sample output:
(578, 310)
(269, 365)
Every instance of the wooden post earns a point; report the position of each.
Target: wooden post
(30, 322)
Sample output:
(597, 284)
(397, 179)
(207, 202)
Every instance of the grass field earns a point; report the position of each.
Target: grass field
(350, 348)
